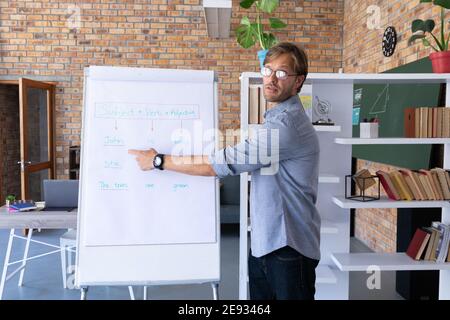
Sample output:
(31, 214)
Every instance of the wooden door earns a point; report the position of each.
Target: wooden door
(37, 150)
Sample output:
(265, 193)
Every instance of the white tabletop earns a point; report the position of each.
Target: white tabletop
(37, 219)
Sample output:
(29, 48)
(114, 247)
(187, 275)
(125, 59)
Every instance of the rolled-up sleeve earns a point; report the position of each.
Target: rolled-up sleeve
(260, 150)
(235, 160)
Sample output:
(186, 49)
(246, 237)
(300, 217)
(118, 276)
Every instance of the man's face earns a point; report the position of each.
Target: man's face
(277, 90)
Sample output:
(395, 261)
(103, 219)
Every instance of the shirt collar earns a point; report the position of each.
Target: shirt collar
(290, 103)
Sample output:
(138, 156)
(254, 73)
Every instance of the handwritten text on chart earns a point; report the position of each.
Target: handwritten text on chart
(113, 141)
(146, 111)
(113, 186)
(149, 185)
(112, 164)
(180, 186)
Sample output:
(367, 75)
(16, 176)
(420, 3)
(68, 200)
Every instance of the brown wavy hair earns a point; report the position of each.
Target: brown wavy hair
(298, 55)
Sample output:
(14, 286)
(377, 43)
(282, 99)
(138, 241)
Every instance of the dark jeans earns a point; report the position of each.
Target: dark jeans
(283, 274)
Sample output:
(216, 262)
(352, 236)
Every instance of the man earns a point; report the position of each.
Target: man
(285, 241)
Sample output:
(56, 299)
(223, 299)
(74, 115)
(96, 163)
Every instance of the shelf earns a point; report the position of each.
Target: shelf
(325, 275)
(323, 178)
(357, 141)
(328, 128)
(317, 128)
(368, 78)
(328, 178)
(384, 261)
(326, 227)
(385, 202)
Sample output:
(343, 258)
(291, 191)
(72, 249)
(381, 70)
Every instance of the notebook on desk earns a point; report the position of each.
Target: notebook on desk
(23, 205)
(60, 195)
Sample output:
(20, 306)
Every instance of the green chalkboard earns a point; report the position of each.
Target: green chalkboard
(387, 102)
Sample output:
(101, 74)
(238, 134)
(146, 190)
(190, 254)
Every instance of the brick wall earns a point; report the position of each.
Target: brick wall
(362, 47)
(44, 39)
(362, 54)
(9, 141)
(377, 228)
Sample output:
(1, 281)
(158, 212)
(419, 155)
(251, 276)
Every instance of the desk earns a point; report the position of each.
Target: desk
(31, 220)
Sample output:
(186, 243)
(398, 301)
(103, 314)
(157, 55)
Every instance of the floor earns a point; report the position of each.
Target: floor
(43, 279)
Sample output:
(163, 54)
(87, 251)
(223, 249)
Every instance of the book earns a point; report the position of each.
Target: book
(415, 177)
(448, 254)
(435, 120)
(417, 123)
(442, 246)
(409, 122)
(396, 183)
(440, 112)
(407, 175)
(23, 205)
(447, 177)
(403, 186)
(437, 239)
(434, 235)
(388, 186)
(418, 243)
(446, 123)
(425, 184)
(423, 122)
(441, 174)
(262, 105)
(306, 99)
(253, 114)
(430, 123)
(430, 183)
(437, 184)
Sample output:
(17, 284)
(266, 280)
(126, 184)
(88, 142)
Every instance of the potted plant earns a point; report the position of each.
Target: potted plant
(251, 32)
(9, 199)
(440, 59)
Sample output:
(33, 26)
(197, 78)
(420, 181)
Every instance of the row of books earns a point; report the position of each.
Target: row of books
(431, 243)
(257, 104)
(427, 122)
(420, 184)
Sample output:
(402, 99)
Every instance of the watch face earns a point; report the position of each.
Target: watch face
(389, 41)
(157, 161)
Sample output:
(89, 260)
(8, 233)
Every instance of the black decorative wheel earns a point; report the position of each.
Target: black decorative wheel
(389, 41)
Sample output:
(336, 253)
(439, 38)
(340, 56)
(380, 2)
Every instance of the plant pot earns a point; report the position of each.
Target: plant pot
(440, 61)
(261, 56)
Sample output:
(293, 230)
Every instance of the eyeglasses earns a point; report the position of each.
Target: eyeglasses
(280, 74)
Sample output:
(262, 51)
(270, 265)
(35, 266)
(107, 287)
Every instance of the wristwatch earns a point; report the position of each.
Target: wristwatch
(158, 161)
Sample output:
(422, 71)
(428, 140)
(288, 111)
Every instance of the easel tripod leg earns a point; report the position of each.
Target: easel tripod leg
(84, 291)
(6, 263)
(25, 256)
(215, 287)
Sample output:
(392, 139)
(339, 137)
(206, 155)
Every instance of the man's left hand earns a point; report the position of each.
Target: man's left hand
(144, 158)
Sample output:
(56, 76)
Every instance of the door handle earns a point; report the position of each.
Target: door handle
(22, 164)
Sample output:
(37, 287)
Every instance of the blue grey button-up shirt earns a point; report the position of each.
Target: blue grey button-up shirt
(283, 158)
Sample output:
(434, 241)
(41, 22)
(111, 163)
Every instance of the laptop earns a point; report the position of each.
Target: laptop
(60, 195)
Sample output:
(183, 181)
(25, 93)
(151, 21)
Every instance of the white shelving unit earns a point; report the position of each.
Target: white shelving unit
(325, 275)
(384, 261)
(335, 162)
(323, 178)
(356, 141)
(385, 202)
(328, 128)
